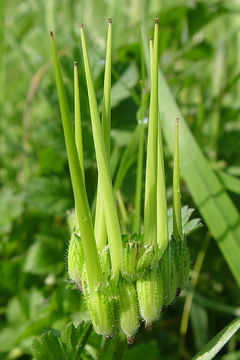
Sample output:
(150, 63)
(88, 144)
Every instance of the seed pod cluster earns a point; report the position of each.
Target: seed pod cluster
(143, 290)
(125, 280)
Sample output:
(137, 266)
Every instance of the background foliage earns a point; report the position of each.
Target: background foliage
(199, 56)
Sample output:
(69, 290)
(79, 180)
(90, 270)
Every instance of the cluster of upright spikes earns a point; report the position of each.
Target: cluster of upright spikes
(124, 278)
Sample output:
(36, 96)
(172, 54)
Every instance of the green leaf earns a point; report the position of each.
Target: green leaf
(11, 207)
(188, 226)
(199, 321)
(74, 339)
(47, 346)
(45, 255)
(146, 351)
(216, 344)
(68, 346)
(231, 183)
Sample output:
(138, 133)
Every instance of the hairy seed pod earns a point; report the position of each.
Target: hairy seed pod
(128, 307)
(100, 307)
(150, 294)
(75, 258)
(182, 261)
(169, 275)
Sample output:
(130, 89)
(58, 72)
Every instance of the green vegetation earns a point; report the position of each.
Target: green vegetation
(42, 312)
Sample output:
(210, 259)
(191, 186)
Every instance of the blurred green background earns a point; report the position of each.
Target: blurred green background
(200, 58)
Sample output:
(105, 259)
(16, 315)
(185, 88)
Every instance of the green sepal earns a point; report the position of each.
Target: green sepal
(150, 294)
(182, 261)
(146, 258)
(105, 262)
(132, 250)
(75, 258)
(169, 275)
(128, 307)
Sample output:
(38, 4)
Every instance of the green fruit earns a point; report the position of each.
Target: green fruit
(75, 258)
(128, 307)
(150, 294)
(100, 307)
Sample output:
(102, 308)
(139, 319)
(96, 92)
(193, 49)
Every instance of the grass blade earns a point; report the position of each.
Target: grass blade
(216, 344)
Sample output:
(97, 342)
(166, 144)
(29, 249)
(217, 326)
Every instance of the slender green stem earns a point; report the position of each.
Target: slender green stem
(150, 209)
(112, 221)
(106, 112)
(177, 218)
(140, 116)
(100, 225)
(78, 128)
(77, 117)
(138, 193)
(123, 211)
(94, 273)
(162, 218)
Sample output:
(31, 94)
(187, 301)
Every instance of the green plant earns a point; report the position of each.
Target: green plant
(123, 278)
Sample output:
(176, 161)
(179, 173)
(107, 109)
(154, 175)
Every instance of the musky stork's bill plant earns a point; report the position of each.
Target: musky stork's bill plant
(134, 277)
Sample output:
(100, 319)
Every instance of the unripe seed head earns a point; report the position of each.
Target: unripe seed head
(150, 294)
(128, 307)
(75, 258)
(100, 307)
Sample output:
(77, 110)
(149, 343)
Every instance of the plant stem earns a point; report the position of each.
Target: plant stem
(162, 219)
(77, 117)
(140, 118)
(177, 218)
(138, 193)
(93, 268)
(100, 224)
(112, 221)
(123, 211)
(150, 209)
(78, 128)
